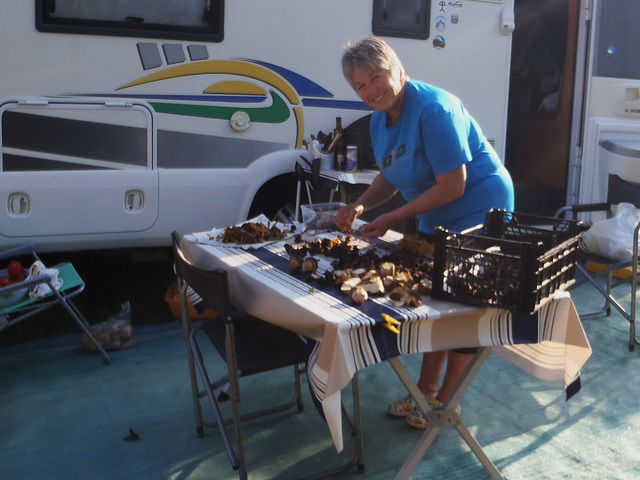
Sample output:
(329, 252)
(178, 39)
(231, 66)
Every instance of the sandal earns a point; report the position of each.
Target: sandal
(401, 408)
(415, 417)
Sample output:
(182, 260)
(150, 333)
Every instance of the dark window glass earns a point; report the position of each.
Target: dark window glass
(618, 49)
(77, 139)
(173, 19)
(401, 18)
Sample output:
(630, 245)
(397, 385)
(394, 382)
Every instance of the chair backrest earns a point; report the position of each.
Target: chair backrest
(620, 191)
(211, 285)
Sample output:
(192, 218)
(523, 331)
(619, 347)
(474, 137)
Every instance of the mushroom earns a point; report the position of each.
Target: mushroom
(397, 293)
(402, 297)
(350, 283)
(389, 282)
(295, 262)
(359, 272)
(387, 269)
(424, 286)
(413, 300)
(404, 276)
(341, 276)
(359, 294)
(369, 275)
(310, 265)
(373, 285)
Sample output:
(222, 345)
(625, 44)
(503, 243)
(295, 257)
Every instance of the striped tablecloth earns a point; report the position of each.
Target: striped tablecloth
(551, 344)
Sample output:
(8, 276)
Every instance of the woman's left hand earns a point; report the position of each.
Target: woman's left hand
(378, 227)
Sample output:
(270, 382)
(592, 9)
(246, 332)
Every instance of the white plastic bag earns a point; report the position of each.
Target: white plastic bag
(613, 237)
(41, 289)
(114, 333)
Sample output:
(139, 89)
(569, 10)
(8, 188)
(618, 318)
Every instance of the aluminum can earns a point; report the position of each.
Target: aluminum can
(352, 159)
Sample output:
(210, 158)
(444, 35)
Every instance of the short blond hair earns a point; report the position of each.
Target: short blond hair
(371, 53)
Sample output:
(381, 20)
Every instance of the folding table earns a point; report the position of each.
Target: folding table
(550, 344)
(72, 285)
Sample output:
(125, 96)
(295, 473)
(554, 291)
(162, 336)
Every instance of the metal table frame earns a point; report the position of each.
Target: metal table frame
(443, 418)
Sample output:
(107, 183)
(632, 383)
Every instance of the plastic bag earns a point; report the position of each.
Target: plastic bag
(41, 289)
(114, 333)
(612, 238)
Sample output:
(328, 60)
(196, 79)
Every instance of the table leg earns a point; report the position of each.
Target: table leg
(297, 214)
(446, 417)
(355, 428)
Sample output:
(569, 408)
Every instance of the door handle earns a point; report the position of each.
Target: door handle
(18, 204)
(134, 201)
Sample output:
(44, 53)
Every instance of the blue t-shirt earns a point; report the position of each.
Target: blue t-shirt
(435, 135)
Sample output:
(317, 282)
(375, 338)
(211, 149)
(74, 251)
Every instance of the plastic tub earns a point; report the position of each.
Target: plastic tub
(171, 297)
(8, 299)
(320, 215)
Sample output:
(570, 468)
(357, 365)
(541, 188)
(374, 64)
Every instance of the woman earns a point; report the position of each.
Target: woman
(433, 152)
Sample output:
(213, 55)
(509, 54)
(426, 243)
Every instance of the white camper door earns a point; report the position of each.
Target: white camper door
(609, 124)
(72, 167)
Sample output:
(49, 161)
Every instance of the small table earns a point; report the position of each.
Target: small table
(330, 179)
(551, 344)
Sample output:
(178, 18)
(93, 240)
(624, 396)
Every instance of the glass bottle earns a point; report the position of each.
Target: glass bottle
(339, 146)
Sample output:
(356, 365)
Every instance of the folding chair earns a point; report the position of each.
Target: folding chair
(72, 285)
(619, 191)
(247, 345)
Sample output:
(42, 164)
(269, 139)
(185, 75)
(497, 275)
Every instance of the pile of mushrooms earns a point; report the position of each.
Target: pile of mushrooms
(403, 289)
(364, 274)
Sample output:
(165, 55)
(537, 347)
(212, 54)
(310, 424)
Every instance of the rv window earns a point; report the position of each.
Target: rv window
(399, 18)
(173, 19)
(68, 136)
(618, 51)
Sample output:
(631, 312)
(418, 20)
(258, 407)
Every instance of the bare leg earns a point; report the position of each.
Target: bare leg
(432, 363)
(456, 363)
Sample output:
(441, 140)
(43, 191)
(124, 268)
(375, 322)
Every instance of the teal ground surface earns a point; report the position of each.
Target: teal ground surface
(64, 414)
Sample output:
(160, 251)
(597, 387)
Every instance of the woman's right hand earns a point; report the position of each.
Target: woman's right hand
(347, 215)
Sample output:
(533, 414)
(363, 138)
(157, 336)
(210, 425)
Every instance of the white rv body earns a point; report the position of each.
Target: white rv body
(132, 137)
(113, 141)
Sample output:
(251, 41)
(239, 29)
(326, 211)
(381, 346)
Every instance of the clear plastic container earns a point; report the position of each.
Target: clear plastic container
(320, 215)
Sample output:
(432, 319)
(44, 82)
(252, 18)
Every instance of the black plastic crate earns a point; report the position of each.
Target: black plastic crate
(526, 227)
(514, 261)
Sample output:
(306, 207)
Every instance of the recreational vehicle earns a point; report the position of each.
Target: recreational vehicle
(124, 120)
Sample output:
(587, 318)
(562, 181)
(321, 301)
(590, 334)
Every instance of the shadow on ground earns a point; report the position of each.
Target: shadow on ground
(112, 277)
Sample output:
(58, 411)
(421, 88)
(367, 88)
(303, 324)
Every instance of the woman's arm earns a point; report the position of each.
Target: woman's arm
(376, 194)
(448, 187)
(379, 192)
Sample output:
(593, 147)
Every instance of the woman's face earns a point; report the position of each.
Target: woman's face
(379, 89)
